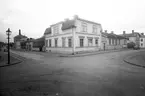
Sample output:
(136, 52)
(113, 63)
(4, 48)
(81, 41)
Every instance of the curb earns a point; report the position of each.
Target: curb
(19, 61)
(82, 55)
(131, 63)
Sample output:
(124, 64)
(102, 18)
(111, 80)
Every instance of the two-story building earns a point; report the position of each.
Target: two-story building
(71, 36)
(133, 37)
(18, 39)
(112, 41)
(142, 40)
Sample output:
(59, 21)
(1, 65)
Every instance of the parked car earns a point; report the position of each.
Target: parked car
(136, 47)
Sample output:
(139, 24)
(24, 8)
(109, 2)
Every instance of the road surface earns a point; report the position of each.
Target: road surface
(96, 75)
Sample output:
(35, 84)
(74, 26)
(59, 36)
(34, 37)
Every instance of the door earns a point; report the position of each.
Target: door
(104, 45)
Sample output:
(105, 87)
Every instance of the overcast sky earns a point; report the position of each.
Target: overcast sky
(34, 16)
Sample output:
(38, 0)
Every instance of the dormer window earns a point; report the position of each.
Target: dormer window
(84, 27)
(56, 29)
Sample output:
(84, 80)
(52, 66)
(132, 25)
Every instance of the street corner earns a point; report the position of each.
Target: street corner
(4, 60)
(136, 59)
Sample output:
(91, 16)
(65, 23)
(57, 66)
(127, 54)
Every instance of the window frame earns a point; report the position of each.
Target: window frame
(90, 41)
(97, 42)
(69, 42)
(50, 43)
(84, 27)
(56, 42)
(81, 42)
(94, 29)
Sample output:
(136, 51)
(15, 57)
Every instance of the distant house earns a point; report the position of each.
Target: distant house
(112, 41)
(142, 40)
(71, 36)
(18, 39)
(132, 37)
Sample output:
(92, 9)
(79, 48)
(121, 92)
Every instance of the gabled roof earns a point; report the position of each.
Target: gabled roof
(131, 34)
(47, 31)
(112, 35)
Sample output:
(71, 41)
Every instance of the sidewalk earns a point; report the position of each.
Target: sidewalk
(136, 59)
(92, 53)
(4, 60)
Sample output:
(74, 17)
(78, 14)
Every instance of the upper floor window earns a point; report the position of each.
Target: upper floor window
(141, 40)
(56, 29)
(84, 27)
(94, 29)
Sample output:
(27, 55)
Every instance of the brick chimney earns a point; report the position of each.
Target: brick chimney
(142, 33)
(76, 17)
(112, 32)
(132, 31)
(124, 32)
(19, 31)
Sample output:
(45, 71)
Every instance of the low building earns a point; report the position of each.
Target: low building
(18, 39)
(142, 40)
(112, 41)
(71, 36)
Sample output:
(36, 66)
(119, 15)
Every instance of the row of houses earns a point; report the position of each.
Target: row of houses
(23, 42)
(77, 35)
(72, 36)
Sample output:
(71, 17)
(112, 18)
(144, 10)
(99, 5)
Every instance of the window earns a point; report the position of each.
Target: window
(46, 43)
(90, 42)
(56, 42)
(109, 41)
(141, 44)
(96, 41)
(81, 42)
(56, 29)
(115, 41)
(94, 29)
(63, 42)
(84, 27)
(49, 42)
(69, 42)
(141, 40)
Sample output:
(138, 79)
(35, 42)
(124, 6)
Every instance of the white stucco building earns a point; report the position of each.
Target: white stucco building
(71, 36)
(142, 41)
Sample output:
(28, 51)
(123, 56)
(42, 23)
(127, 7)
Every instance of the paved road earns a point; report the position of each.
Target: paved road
(97, 75)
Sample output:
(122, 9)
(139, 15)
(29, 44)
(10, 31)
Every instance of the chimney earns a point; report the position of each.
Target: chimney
(105, 31)
(142, 33)
(76, 17)
(132, 31)
(124, 32)
(66, 19)
(19, 32)
(112, 32)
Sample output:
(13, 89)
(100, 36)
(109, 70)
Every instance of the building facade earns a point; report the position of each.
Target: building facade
(142, 40)
(18, 39)
(112, 41)
(73, 36)
(132, 37)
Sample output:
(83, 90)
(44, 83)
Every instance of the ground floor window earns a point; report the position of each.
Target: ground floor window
(141, 44)
(81, 42)
(96, 41)
(56, 41)
(49, 42)
(69, 42)
(90, 42)
(109, 41)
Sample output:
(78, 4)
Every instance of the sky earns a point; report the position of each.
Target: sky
(34, 16)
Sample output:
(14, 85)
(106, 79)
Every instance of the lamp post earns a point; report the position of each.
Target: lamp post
(8, 32)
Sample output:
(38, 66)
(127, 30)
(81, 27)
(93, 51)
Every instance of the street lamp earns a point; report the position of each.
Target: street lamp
(8, 32)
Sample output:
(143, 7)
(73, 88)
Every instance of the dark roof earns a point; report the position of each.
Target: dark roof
(68, 24)
(112, 35)
(20, 37)
(131, 34)
(47, 31)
